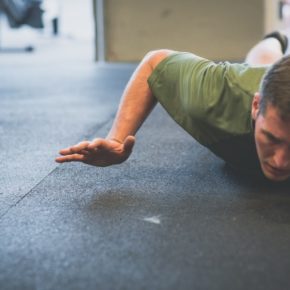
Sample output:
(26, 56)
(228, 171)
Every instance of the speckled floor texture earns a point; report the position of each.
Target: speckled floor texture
(172, 217)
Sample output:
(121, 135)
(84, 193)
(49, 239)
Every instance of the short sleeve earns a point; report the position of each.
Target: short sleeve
(211, 101)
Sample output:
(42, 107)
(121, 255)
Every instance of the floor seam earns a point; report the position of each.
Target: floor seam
(26, 194)
(90, 132)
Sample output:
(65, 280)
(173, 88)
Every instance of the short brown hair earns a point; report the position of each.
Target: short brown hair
(275, 88)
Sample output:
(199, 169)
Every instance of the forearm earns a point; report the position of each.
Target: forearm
(136, 104)
(138, 100)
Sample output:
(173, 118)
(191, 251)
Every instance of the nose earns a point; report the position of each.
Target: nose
(282, 158)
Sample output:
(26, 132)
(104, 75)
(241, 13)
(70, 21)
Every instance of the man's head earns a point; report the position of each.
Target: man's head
(271, 112)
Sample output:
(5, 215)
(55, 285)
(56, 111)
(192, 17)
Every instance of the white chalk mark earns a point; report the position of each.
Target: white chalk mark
(153, 220)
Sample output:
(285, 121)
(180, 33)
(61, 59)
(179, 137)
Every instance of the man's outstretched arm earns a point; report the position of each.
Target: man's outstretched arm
(136, 104)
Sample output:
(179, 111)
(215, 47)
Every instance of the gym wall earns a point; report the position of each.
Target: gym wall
(218, 30)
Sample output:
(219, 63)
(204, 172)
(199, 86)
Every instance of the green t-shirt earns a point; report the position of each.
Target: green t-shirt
(212, 102)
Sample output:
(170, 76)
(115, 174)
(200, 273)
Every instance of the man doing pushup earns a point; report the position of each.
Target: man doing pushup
(241, 112)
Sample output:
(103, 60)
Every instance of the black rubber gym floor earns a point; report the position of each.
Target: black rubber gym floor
(172, 217)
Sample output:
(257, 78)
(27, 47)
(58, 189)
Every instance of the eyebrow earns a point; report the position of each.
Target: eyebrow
(272, 137)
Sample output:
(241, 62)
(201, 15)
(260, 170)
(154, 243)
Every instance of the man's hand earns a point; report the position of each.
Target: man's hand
(99, 152)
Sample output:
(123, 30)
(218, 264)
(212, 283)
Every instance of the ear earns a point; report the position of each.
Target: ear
(256, 105)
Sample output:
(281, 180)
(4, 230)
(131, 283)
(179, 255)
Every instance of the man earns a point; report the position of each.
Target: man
(241, 112)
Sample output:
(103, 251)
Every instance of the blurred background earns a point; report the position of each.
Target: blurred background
(56, 30)
(124, 30)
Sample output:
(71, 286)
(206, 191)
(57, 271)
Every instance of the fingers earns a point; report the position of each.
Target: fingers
(99, 152)
(79, 148)
(77, 152)
(72, 157)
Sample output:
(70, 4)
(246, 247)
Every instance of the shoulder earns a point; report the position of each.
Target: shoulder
(245, 77)
(223, 98)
